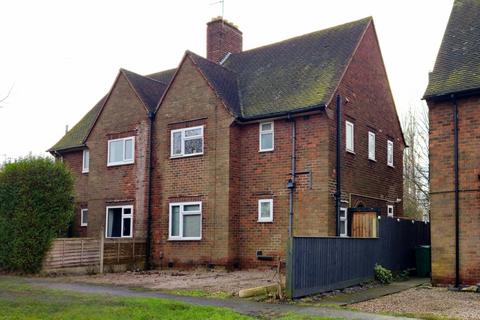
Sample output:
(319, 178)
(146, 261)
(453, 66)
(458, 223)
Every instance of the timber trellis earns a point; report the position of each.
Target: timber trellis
(321, 264)
(90, 254)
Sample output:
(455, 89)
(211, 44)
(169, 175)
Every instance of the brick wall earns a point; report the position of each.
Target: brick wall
(442, 215)
(222, 37)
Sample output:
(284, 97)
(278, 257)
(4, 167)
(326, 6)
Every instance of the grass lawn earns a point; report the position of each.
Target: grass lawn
(19, 300)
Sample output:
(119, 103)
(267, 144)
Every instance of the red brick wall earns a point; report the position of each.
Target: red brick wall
(222, 37)
(370, 107)
(442, 211)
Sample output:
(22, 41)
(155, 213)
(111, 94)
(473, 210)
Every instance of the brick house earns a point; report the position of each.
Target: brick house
(212, 157)
(453, 97)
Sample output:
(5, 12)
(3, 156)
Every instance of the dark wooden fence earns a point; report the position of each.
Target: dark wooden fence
(325, 263)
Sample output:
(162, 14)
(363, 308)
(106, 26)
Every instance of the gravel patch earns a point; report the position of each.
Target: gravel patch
(426, 300)
(206, 280)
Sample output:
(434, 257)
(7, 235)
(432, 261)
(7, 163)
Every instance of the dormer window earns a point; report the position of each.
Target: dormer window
(121, 151)
(186, 142)
(266, 137)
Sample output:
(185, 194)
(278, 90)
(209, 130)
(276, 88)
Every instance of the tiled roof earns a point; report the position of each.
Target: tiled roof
(457, 67)
(149, 90)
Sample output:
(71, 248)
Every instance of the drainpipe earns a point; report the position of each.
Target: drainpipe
(457, 200)
(291, 188)
(338, 192)
(148, 244)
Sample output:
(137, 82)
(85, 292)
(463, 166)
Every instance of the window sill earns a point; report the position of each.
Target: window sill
(390, 166)
(266, 150)
(186, 156)
(351, 152)
(113, 238)
(265, 221)
(373, 160)
(116, 164)
(83, 225)
(85, 172)
(184, 239)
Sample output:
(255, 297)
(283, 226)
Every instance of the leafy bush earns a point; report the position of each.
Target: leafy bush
(383, 275)
(36, 204)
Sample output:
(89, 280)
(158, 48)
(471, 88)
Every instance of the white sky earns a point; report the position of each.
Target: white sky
(62, 56)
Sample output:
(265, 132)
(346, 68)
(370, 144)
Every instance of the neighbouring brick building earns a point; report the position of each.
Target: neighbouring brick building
(202, 155)
(453, 97)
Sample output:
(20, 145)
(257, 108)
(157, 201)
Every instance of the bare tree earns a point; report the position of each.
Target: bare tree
(3, 99)
(416, 171)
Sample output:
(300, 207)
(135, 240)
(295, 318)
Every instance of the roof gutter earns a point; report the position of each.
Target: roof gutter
(69, 149)
(283, 114)
(448, 95)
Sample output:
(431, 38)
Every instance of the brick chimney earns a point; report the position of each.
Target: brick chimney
(222, 37)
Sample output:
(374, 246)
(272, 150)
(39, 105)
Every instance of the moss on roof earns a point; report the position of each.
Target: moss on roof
(457, 67)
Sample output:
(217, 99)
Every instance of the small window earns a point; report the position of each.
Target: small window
(371, 145)
(343, 222)
(86, 161)
(121, 151)
(266, 137)
(84, 217)
(186, 142)
(265, 210)
(390, 153)
(349, 136)
(185, 221)
(119, 222)
(390, 210)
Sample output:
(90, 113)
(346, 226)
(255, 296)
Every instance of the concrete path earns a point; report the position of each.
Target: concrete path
(239, 305)
(373, 293)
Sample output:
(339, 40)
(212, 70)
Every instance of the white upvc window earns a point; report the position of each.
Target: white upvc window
(371, 146)
(266, 136)
(390, 210)
(349, 136)
(265, 210)
(84, 217)
(86, 161)
(186, 142)
(390, 153)
(185, 221)
(119, 222)
(343, 222)
(121, 151)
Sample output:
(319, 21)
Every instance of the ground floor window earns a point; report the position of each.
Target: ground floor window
(119, 222)
(390, 210)
(265, 210)
(84, 217)
(343, 222)
(185, 221)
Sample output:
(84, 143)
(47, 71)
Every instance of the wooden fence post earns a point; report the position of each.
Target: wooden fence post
(102, 243)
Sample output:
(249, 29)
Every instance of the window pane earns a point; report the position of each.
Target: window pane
(193, 146)
(349, 136)
(343, 229)
(191, 225)
(127, 222)
(127, 211)
(266, 140)
(86, 159)
(84, 216)
(129, 149)
(175, 221)
(192, 207)
(116, 151)
(114, 226)
(177, 143)
(266, 126)
(265, 209)
(343, 214)
(193, 132)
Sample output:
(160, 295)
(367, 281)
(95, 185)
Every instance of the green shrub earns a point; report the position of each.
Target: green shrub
(36, 205)
(383, 275)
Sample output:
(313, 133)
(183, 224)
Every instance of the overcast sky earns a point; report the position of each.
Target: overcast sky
(62, 56)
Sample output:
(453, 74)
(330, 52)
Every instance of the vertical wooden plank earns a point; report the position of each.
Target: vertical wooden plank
(102, 248)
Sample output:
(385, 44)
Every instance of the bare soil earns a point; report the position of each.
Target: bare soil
(211, 281)
(426, 300)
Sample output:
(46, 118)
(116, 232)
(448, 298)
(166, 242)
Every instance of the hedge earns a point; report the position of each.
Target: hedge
(36, 205)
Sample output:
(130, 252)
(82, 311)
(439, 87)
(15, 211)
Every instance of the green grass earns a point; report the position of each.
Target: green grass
(201, 293)
(18, 300)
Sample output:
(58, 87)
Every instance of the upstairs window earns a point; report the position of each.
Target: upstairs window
(121, 151)
(349, 136)
(86, 161)
(265, 210)
(185, 221)
(186, 142)
(266, 137)
(390, 153)
(84, 217)
(119, 222)
(371, 145)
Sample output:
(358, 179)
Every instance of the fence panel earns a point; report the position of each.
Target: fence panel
(326, 263)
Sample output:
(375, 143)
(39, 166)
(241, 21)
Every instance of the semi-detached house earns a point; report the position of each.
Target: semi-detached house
(205, 160)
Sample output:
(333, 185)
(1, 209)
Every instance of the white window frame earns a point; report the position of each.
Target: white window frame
(390, 153)
(347, 147)
(123, 218)
(82, 212)
(124, 161)
(263, 219)
(344, 218)
(262, 132)
(371, 145)
(183, 138)
(389, 206)
(86, 164)
(180, 220)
